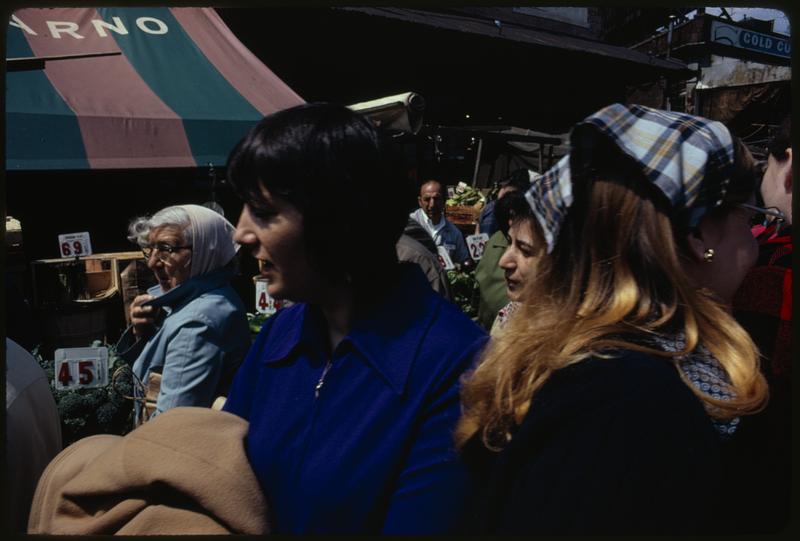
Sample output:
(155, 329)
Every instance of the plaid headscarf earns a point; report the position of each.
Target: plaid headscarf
(688, 158)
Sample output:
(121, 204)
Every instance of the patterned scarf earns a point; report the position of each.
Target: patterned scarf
(688, 158)
(706, 374)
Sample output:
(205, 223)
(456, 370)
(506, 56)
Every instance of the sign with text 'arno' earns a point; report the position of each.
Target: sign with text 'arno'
(743, 38)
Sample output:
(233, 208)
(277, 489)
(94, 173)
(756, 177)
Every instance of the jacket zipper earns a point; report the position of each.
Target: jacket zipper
(321, 381)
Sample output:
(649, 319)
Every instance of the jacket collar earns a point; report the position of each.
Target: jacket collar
(388, 335)
(190, 289)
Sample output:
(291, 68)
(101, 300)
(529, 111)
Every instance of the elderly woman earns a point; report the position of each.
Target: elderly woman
(606, 403)
(190, 330)
(351, 393)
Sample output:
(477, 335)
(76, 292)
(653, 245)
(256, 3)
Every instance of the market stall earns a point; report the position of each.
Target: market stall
(112, 113)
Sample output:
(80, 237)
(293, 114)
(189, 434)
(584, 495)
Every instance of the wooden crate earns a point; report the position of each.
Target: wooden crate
(463, 214)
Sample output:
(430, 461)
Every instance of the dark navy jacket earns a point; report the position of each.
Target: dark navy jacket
(374, 451)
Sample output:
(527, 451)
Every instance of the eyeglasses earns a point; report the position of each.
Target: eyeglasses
(763, 215)
(163, 248)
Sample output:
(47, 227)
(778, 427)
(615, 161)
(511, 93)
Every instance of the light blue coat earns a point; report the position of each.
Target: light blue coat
(201, 338)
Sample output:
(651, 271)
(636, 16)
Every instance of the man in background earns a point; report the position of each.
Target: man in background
(430, 216)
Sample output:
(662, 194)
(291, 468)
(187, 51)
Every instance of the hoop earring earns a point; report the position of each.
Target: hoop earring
(708, 256)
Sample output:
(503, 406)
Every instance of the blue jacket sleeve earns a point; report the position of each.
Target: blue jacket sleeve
(432, 490)
(193, 366)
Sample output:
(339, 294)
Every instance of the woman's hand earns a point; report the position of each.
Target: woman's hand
(143, 317)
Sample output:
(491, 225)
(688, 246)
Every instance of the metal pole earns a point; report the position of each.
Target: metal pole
(477, 162)
(541, 156)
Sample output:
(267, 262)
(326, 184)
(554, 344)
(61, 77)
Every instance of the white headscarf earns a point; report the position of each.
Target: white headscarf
(212, 240)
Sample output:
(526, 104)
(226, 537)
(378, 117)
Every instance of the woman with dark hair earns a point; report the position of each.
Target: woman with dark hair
(604, 405)
(352, 393)
(525, 247)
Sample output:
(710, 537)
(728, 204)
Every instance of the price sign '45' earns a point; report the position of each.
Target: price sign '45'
(81, 368)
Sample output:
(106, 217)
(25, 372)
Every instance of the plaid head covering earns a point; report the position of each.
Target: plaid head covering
(688, 158)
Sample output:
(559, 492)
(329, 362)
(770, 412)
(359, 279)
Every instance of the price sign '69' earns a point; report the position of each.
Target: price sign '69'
(81, 368)
(75, 244)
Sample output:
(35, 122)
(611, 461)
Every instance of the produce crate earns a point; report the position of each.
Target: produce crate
(78, 300)
(463, 214)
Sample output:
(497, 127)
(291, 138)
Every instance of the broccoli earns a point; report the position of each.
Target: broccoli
(100, 410)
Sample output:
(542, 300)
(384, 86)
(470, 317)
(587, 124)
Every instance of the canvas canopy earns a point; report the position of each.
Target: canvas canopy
(114, 88)
(401, 112)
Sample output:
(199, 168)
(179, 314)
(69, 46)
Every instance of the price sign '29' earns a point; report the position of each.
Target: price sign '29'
(477, 244)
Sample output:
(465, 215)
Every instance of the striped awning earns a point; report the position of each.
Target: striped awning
(118, 88)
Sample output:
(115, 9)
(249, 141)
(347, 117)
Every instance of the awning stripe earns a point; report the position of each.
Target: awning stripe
(166, 101)
(31, 137)
(113, 135)
(243, 70)
(175, 68)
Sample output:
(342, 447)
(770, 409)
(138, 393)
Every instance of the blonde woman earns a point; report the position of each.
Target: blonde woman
(605, 405)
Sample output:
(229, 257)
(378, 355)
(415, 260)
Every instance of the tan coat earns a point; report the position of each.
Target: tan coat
(184, 472)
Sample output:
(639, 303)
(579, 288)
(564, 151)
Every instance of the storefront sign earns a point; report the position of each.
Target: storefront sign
(749, 39)
(75, 244)
(60, 29)
(477, 244)
(81, 368)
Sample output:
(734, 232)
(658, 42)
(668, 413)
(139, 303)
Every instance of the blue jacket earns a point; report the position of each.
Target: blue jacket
(198, 345)
(487, 221)
(373, 452)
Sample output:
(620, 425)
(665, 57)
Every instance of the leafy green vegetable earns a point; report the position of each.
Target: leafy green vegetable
(100, 410)
(255, 321)
(465, 195)
(465, 291)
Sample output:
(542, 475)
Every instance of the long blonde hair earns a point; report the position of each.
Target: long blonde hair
(614, 281)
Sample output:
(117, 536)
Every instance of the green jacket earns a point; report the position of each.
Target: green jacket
(491, 280)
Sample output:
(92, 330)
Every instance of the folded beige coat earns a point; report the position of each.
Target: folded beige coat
(184, 472)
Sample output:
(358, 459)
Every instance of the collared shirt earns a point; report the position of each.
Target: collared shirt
(198, 345)
(444, 234)
(373, 452)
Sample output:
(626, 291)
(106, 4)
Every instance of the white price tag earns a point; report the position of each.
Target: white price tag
(264, 303)
(81, 368)
(444, 258)
(477, 244)
(74, 244)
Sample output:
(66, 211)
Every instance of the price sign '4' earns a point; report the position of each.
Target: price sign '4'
(477, 244)
(81, 368)
(264, 303)
(75, 244)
